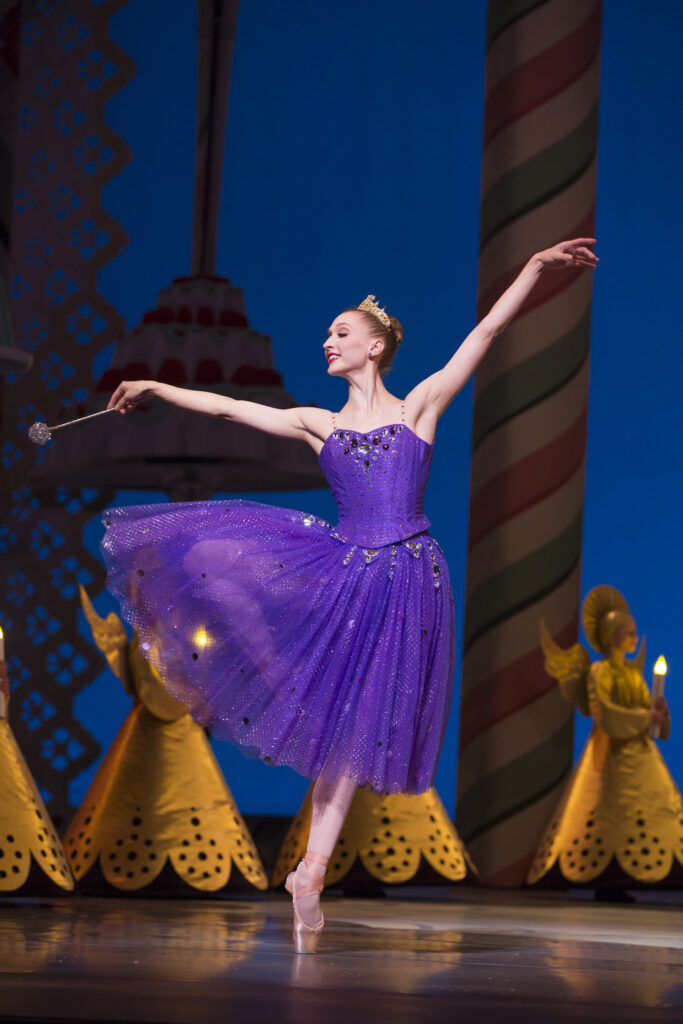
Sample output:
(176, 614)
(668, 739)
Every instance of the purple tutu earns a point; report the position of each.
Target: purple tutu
(303, 643)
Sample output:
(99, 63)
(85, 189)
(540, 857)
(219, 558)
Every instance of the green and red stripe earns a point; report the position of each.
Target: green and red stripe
(529, 429)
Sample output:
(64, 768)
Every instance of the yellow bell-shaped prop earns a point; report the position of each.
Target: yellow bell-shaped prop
(158, 813)
(31, 856)
(385, 840)
(619, 821)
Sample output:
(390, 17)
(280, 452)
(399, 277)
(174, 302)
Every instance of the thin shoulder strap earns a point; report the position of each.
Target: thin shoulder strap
(334, 421)
(403, 412)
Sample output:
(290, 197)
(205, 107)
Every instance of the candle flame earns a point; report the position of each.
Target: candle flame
(660, 665)
(1, 633)
(200, 638)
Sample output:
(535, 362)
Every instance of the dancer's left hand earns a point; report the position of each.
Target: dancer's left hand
(569, 254)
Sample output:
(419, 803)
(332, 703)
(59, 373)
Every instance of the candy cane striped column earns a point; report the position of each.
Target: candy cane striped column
(529, 431)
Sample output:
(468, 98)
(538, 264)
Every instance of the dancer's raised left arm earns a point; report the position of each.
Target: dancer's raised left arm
(433, 395)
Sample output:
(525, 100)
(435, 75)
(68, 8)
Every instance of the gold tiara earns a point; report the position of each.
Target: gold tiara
(370, 306)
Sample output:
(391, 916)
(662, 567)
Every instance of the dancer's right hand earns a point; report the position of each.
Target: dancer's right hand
(130, 393)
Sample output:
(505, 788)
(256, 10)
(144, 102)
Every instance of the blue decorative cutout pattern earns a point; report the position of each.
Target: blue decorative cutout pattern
(53, 371)
(43, 539)
(26, 415)
(40, 625)
(20, 286)
(63, 201)
(92, 155)
(32, 32)
(45, 81)
(65, 118)
(27, 117)
(8, 539)
(10, 453)
(61, 748)
(38, 250)
(96, 69)
(85, 324)
(32, 334)
(58, 286)
(25, 503)
(68, 575)
(88, 239)
(41, 166)
(65, 664)
(35, 710)
(19, 589)
(64, 152)
(19, 673)
(70, 33)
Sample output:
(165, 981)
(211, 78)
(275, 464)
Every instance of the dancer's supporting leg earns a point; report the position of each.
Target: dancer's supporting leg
(331, 802)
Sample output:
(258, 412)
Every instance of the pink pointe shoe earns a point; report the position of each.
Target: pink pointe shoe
(306, 881)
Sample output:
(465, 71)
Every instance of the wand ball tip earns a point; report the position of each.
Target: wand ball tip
(39, 433)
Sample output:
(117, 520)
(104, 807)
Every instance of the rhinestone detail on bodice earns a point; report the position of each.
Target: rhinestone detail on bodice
(378, 480)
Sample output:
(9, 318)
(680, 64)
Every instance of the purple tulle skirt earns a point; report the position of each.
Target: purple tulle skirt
(293, 644)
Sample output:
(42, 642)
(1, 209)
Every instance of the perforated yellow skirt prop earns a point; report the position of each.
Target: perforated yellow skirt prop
(159, 798)
(620, 806)
(620, 819)
(29, 845)
(158, 809)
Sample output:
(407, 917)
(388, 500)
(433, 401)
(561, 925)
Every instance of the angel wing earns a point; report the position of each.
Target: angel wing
(111, 638)
(570, 668)
(149, 688)
(639, 660)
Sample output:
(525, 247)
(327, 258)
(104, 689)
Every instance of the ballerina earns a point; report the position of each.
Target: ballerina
(326, 648)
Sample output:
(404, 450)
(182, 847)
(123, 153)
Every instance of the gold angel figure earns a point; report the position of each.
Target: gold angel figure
(159, 802)
(620, 819)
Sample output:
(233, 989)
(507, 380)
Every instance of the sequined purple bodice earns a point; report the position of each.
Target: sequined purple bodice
(378, 480)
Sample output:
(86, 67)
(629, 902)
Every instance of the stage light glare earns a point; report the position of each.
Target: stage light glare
(201, 638)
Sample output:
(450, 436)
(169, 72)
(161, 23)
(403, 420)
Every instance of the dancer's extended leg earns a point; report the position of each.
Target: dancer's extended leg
(331, 802)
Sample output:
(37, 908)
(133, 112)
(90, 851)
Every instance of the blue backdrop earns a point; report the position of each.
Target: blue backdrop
(352, 165)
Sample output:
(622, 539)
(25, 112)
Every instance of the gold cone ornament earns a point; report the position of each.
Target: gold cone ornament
(159, 802)
(620, 819)
(31, 855)
(385, 840)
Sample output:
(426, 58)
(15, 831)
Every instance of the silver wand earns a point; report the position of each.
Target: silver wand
(40, 433)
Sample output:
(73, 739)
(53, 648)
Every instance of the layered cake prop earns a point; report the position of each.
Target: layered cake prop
(197, 337)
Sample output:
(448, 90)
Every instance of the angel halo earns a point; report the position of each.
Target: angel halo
(604, 610)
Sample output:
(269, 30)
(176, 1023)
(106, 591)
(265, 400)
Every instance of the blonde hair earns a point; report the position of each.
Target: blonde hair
(391, 335)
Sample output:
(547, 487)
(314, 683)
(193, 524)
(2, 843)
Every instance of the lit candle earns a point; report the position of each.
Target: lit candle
(658, 680)
(2, 645)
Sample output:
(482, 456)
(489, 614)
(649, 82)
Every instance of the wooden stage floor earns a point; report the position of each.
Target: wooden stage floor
(460, 955)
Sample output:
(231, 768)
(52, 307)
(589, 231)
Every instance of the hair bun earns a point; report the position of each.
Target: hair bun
(397, 329)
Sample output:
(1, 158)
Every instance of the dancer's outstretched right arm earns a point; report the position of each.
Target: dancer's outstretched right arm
(300, 422)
